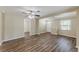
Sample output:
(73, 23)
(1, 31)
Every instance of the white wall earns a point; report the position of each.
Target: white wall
(43, 25)
(77, 30)
(14, 26)
(72, 31)
(0, 28)
(77, 34)
(56, 26)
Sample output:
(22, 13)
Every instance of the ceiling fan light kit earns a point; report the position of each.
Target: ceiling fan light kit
(31, 14)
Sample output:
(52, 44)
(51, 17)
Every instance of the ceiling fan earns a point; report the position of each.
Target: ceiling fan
(31, 13)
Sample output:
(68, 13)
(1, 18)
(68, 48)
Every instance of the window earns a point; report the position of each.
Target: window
(65, 24)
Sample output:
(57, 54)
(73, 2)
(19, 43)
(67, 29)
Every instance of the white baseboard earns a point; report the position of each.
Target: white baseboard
(37, 33)
(46, 32)
(13, 38)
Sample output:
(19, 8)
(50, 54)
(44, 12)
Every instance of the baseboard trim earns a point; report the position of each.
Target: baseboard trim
(68, 36)
(53, 34)
(12, 39)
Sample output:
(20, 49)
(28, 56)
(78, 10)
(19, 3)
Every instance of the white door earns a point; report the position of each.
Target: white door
(48, 26)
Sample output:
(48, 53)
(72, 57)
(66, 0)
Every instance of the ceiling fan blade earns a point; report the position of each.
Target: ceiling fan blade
(37, 15)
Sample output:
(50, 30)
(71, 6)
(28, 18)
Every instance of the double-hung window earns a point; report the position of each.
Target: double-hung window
(65, 24)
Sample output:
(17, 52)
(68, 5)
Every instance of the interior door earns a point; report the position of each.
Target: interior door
(48, 26)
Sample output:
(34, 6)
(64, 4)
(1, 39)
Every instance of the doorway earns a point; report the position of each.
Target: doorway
(27, 24)
(48, 26)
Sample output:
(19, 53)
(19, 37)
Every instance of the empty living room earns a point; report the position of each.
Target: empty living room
(39, 28)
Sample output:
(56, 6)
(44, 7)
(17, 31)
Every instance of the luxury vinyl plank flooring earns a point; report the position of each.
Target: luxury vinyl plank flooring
(40, 43)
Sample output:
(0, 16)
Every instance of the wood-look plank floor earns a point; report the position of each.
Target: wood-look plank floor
(40, 43)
